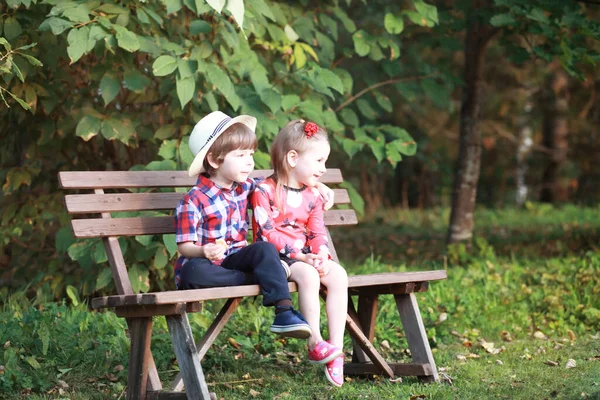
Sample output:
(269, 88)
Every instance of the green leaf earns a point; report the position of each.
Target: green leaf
(56, 25)
(331, 80)
(343, 17)
(299, 56)
(262, 8)
(88, 127)
(537, 14)
(32, 60)
(72, 293)
(502, 20)
(173, 5)
(217, 77)
(79, 14)
(121, 129)
(185, 89)
(99, 254)
(289, 101)
(33, 362)
(77, 43)
(427, 11)
(200, 26)
(164, 65)
(216, 4)
(271, 98)
(439, 94)
(351, 147)
(169, 241)
(361, 46)
(136, 81)
(144, 240)
(186, 68)
(168, 149)
(290, 33)
(139, 277)
(349, 117)
(104, 279)
(160, 258)
(165, 132)
(126, 39)
(366, 109)
(109, 87)
(393, 24)
(20, 101)
(80, 250)
(12, 28)
(63, 239)
(112, 9)
(383, 101)
(44, 335)
(356, 201)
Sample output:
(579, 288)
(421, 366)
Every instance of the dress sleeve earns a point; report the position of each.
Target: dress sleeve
(187, 219)
(262, 215)
(316, 231)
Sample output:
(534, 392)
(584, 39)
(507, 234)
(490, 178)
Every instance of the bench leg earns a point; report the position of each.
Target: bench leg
(367, 312)
(140, 331)
(415, 333)
(210, 336)
(187, 357)
(153, 383)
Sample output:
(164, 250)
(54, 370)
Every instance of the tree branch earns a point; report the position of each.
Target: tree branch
(380, 84)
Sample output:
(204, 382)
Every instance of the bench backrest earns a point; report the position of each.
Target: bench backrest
(146, 191)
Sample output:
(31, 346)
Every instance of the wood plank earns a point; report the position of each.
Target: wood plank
(187, 357)
(416, 336)
(140, 330)
(186, 296)
(97, 227)
(148, 179)
(400, 369)
(396, 288)
(361, 340)
(118, 202)
(211, 335)
(161, 309)
(367, 313)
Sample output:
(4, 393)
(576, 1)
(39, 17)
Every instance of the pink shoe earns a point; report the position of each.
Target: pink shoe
(334, 371)
(323, 353)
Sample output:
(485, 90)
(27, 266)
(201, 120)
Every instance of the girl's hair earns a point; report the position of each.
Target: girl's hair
(236, 137)
(293, 136)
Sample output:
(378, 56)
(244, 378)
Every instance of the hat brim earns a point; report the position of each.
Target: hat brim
(196, 168)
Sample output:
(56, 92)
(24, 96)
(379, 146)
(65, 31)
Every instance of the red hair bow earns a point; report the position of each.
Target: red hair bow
(311, 129)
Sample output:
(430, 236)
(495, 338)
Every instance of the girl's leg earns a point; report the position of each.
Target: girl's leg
(307, 279)
(336, 304)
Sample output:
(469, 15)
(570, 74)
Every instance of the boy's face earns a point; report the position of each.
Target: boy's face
(236, 167)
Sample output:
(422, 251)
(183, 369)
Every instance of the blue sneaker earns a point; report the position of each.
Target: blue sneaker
(291, 323)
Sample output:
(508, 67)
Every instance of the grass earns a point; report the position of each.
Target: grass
(503, 326)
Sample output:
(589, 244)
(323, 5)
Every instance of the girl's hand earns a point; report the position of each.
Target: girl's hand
(323, 261)
(311, 259)
(327, 194)
(214, 251)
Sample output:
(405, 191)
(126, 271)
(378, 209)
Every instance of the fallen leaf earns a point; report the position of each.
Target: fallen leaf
(571, 335)
(443, 316)
(570, 363)
(467, 343)
(551, 363)
(385, 344)
(505, 335)
(527, 356)
(540, 335)
(473, 355)
(460, 357)
(499, 362)
(254, 393)
(246, 376)
(446, 379)
(118, 368)
(396, 380)
(62, 384)
(233, 343)
(7, 344)
(418, 396)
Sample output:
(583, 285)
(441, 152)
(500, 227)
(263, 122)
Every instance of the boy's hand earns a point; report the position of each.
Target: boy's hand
(327, 194)
(214, 251)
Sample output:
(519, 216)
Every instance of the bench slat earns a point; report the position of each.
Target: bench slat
(96, 227)
(99, 203)
(148, 179)
(184, 296)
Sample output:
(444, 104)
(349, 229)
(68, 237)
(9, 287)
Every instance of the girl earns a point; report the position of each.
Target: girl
(288, 212)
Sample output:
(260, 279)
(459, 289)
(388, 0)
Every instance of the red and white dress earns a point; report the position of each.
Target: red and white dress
(297, 227)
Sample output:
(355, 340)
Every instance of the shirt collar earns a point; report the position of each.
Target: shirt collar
(208, 186)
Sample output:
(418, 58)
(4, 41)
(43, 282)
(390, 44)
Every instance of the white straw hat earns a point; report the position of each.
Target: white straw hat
(207, 130)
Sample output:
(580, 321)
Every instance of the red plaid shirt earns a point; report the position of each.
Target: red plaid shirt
(208, 212)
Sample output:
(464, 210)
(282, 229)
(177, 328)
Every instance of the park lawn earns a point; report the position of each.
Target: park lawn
(531, 311)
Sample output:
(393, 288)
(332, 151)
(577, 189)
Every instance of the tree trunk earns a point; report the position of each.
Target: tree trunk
(523, 150)
(555, 131)
(464, 192)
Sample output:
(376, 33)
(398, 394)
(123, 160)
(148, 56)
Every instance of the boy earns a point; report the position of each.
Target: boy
(211, 221)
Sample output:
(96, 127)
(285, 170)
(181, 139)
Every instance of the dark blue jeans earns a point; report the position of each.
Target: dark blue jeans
(257, 263)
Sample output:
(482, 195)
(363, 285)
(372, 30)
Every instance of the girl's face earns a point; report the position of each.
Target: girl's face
(308, 166)
(236, 167)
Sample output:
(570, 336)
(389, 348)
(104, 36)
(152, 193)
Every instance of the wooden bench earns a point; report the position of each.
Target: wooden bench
(96, 208)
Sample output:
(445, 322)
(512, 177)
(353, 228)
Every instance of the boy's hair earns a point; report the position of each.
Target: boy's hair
(291, 137)
(236, 137)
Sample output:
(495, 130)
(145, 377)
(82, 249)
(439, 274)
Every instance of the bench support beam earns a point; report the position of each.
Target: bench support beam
(140, 358)
(367, 313)
(415, 333)
(187, 357)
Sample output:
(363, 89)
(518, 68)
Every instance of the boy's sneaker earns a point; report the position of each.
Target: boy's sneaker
(323, 353)
(291, 323)
(334, 371)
